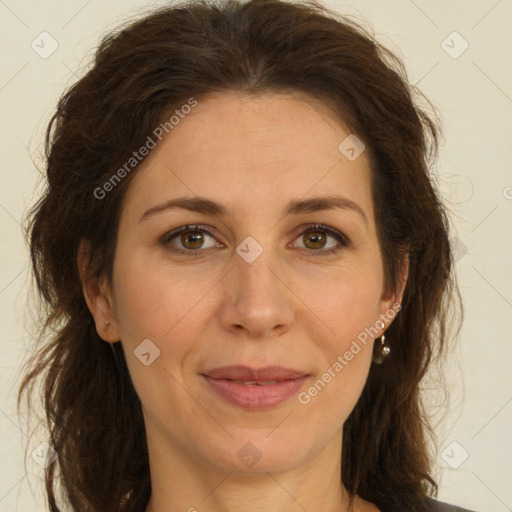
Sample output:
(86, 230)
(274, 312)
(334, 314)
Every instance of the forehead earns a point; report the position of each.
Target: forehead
(239, 149)
(295, 125)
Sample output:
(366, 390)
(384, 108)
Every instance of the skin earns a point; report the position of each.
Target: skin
(288, 307)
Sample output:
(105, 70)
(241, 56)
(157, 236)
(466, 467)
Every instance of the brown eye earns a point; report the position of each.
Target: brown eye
(191, 239)
(317, 239)
(187, 240)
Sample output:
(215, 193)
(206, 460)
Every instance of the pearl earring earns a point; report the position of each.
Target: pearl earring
(384, 351)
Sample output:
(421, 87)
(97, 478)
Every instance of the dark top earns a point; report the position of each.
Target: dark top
(439, 506)
(426, 504)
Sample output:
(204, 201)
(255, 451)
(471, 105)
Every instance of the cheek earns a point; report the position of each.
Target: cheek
(167, 306)
(154, 304)
(345, 356)
(152, 299)
(348, 304)
(347, 301)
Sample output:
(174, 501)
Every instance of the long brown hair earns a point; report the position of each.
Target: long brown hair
(141, 74)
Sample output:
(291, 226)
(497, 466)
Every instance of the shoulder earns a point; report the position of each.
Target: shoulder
(421, 504)
(433, 505)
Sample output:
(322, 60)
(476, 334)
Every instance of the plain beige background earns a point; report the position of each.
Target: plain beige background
(468, 77)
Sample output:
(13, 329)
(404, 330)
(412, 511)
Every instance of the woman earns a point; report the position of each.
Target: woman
(246, 269)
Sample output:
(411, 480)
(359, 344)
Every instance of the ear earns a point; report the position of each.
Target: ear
(97, 296)
(391, 304)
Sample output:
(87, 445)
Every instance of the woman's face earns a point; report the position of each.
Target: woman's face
(263, 287)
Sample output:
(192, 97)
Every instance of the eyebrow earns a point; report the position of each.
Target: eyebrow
(294, 207)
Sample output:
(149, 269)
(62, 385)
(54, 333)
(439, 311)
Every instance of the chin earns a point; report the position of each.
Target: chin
(258, 453)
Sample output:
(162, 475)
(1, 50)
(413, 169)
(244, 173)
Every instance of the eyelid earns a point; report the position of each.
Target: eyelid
(311, 226)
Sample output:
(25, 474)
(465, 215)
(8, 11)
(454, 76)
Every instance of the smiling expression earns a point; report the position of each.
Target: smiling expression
(279, 265)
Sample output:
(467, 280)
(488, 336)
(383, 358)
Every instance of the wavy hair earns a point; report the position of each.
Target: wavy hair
(140, 74)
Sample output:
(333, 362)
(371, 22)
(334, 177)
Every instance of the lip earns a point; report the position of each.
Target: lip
(246, 373)
(255, 397)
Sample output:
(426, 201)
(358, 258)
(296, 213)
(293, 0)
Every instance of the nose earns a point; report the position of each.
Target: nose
(257, 300)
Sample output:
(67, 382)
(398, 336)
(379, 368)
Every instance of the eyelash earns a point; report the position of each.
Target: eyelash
(342, 239)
